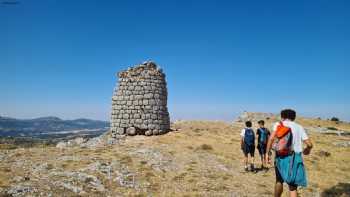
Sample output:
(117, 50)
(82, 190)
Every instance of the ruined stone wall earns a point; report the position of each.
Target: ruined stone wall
(139, 102)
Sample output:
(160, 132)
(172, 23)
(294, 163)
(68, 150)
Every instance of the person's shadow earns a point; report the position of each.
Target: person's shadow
(260, 169)
(341, 189)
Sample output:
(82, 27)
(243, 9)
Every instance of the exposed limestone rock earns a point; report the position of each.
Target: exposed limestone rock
(71, 143)
(255, 116)
(342, 144)
(72, 178)
(21, 190)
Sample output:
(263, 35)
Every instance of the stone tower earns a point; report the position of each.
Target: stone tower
(139, 102)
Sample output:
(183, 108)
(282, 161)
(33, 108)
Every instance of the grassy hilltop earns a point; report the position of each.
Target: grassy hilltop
(199, 158)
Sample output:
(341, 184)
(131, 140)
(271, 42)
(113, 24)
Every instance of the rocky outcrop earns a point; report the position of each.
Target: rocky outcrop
(100, 141)
(255, 116)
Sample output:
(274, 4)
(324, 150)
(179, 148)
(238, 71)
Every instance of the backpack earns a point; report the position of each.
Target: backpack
(249, 137)
(283, 145)
(263, 136)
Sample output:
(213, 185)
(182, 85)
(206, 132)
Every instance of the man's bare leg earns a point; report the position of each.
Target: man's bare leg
(278, 189)
(249, 161)
(293, 191)
(252, 167)
(264, 161)
(245, 162)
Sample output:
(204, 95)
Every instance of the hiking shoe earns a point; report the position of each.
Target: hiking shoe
(246, 169)
(252, 167)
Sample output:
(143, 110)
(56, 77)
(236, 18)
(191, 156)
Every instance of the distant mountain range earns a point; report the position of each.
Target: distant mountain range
(46, 125)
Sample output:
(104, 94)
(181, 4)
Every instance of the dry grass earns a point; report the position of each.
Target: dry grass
(201, 159)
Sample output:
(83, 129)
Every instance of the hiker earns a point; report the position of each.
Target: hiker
(248, 145)
(263, 135)
(287, 139)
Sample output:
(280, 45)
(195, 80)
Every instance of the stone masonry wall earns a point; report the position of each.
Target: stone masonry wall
(139, 102)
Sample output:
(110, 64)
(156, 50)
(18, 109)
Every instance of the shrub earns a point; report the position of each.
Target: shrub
(143, 162)
(335, 119)
(332, 128)
(206, 147)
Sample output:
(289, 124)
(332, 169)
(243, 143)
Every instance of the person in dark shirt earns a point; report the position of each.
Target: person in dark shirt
(263, 135)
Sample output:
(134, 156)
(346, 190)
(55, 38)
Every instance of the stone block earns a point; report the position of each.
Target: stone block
(145, 102)
(155, 132)
(148, 133)
(120, 131)
(131, 131)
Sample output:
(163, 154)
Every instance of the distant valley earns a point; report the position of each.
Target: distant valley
(51, 127)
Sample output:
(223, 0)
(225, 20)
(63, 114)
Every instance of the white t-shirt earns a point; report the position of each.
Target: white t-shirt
(299, 134)
(243, 131)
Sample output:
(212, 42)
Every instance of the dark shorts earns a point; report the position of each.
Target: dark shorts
(278, 175)
(249, 149)
(262, 149)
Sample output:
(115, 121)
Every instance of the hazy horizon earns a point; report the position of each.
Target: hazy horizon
(59, 58)
(229, 117)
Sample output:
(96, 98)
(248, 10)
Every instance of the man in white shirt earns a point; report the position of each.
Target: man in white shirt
(295, 175)
(248, 145)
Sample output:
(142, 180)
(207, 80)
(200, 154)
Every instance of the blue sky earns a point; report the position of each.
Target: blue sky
(221, 57)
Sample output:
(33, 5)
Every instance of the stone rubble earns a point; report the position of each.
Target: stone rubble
(21, 190)
(345, 144)
(100, 141)
(114, 171)
(90, 181)
(323, 130)
(139, 102)
(156, 159)
(69, 186)
(71, 143)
